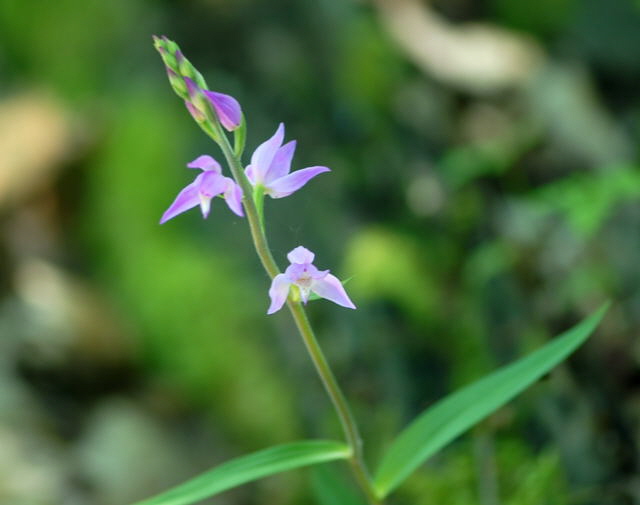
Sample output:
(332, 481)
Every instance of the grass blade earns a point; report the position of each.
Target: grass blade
(458, 412)
(251, 467)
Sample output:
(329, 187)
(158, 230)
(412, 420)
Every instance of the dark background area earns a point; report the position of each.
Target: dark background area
(483, 198)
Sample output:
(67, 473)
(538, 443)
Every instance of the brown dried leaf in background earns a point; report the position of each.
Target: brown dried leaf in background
(35, 137)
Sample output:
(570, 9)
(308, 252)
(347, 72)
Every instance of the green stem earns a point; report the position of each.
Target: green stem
(251, 211)
(258, 199)
(338, 399)
(349, 426)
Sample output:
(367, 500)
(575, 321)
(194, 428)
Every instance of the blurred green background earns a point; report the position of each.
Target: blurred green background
(484, 197)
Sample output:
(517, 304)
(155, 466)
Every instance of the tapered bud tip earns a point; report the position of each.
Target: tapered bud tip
(167, 43)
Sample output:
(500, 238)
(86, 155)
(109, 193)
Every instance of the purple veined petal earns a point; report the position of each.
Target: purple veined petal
(281, 164)
(293, 182)
(330, 288)
(227, 108)
(264, 154)
(186, 199)
(233, 197)
(278, 292)
(300, 255)
(205, 162)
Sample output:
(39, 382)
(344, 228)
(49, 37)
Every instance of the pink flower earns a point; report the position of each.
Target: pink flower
(303, 274)
(209, 183)
(270, 166)
(226, 107)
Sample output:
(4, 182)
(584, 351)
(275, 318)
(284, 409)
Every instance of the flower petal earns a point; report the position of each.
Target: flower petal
(205, 205)
(186, 199)
(227, 109)
(205, 162)
(331, 288)
(233, 197)
(264, 154)
(293, 182)
(281, 164)
(251, 175)
(278, 292)
(210, 183)
(300, 255)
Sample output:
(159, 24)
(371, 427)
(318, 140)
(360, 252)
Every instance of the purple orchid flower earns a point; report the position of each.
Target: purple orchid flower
(227, 108)
(206, 185)
(270, 166)
(303, 274)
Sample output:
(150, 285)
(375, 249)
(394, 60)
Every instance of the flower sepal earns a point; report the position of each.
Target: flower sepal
(271, 167)
(314, 296)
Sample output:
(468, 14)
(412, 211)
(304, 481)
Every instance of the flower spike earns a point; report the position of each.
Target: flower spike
(208, 184)
(189, 84)
(271, 164)
(308, 279)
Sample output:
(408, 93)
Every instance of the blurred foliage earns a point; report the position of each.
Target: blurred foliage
(475, 225)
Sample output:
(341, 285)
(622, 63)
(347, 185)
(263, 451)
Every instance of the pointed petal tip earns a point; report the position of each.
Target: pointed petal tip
(294, 181)
(264, 154)
(330, 288)
(278, 292)
(186, 199)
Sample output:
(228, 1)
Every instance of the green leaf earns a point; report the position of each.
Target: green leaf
(251, 467)
(330, 487)
(456, 413)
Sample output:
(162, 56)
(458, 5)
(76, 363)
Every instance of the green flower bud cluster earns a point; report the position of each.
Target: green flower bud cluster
(178, 67)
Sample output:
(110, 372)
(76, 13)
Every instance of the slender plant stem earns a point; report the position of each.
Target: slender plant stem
(349, 426)
(338, 399)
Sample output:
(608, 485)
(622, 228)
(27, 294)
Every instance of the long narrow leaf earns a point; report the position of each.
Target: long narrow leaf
(456, 413)
(251, 467)
(330, 487)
